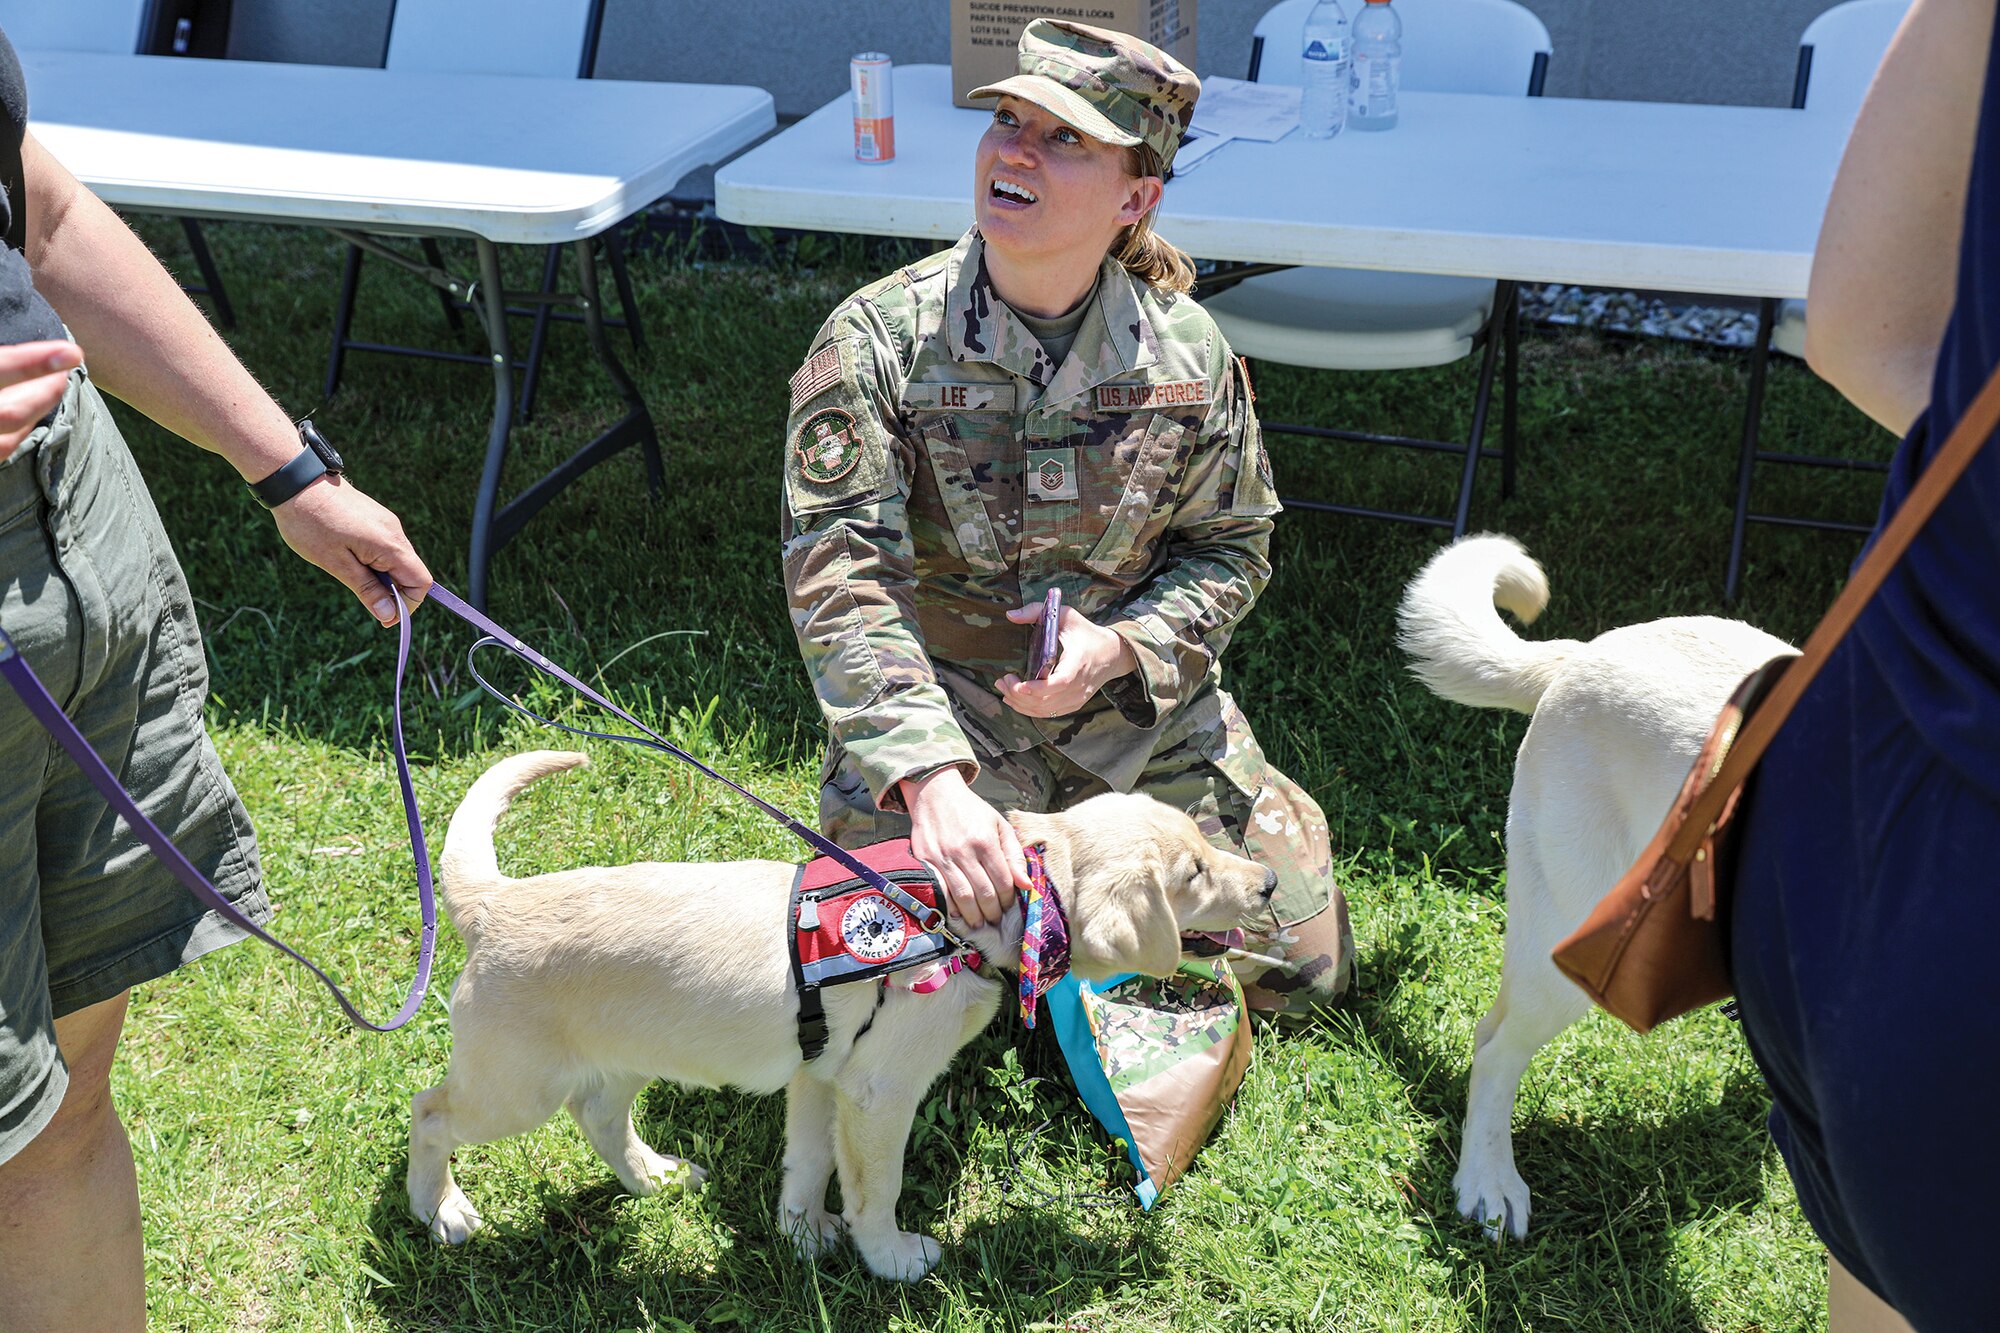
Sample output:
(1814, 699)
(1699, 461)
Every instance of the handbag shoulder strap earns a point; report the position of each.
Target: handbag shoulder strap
(1939, 474)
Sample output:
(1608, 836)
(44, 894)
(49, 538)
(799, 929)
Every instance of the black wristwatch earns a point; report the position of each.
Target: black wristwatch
(315, 459)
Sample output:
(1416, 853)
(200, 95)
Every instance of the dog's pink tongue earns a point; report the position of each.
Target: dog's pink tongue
(1225, 939)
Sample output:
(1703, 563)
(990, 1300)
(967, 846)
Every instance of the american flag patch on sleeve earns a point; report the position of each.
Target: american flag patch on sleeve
(820, 372)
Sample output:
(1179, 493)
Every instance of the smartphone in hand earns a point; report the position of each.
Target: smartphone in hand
(1043, 649)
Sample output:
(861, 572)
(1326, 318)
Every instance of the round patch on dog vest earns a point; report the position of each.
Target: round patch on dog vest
(828, 446)
(873, 929)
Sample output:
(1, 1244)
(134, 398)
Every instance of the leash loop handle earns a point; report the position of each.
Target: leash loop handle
(495, 635)
(49, 713)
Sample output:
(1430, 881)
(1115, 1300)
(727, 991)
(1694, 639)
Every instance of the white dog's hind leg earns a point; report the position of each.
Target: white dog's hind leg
(1535, 1004)
(466, 1108)
(605, 1116)
(802, 1214)
(870, 1133)
(435, 1198)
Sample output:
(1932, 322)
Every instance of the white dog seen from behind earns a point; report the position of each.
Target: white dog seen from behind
(1617, 723)
(581, 987)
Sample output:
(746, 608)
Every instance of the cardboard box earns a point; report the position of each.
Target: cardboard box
(986, 34)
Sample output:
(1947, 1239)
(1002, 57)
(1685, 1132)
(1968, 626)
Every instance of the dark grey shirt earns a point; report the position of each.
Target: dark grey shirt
(24, 315)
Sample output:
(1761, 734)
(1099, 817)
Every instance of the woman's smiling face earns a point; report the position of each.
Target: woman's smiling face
(1042, 187)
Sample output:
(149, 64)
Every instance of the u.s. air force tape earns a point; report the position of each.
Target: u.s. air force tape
(1130, 397)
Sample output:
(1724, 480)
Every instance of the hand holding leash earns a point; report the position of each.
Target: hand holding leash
(336, 526)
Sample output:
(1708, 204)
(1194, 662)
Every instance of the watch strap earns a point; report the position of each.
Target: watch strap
(305, 468)
(314, 460)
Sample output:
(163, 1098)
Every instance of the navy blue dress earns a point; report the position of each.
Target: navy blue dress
(1867, 919)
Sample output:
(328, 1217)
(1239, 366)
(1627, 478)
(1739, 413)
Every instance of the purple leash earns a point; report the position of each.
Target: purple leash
(35, 695)
(15, 670)
(930, 917)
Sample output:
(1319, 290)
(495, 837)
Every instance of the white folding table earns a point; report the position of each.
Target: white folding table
(1674, 196)
(368, 152)
(1671, 196)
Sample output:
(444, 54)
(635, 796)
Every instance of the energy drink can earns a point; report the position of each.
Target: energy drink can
(874, 107)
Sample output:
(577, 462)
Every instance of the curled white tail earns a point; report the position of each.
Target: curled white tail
(1460, 647)
(469, 870)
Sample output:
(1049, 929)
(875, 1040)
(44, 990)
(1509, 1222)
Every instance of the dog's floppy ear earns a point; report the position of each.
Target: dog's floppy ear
(1113, 882)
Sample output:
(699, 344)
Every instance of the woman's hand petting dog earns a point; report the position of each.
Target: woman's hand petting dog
(969, 843)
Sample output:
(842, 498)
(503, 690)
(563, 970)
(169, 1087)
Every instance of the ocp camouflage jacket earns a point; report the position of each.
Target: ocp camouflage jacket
(941, 471)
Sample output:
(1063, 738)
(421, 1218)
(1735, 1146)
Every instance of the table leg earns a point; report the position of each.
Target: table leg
(593, 323)
(343, 317)
(490, 303)
(211, 277)
(1510, 434)
(621, 275)
(539, 337)
(1746, 454)
(1481, 402)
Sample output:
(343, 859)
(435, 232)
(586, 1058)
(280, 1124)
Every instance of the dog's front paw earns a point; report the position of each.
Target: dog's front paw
(455, 1220)
(905, 1258)
(1497, 1200)
(813, 1231)
(660, 1172)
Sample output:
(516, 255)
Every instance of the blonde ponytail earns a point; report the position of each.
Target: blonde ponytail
(1156, 262)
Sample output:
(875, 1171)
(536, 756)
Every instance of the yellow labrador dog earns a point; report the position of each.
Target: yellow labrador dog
(1617, 724)
(583, 986)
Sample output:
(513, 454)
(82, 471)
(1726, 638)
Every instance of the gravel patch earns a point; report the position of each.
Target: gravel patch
(1629, 312)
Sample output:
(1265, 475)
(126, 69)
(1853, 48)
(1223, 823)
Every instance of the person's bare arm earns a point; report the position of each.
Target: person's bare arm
(146, 343)
(1886, 268)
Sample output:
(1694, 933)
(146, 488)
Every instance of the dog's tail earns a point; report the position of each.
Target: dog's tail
(469, 870)
(1461, 647)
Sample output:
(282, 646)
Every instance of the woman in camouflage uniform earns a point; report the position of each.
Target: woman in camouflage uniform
(1044, 406)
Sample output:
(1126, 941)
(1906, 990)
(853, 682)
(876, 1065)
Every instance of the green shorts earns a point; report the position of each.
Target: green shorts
(91, 594)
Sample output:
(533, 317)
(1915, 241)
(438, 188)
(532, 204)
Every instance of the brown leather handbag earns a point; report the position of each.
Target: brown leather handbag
(1653, 948)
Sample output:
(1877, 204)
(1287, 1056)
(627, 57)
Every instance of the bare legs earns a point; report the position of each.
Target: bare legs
(70, 1243)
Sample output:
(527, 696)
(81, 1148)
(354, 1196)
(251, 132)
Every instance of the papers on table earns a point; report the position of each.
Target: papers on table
(1236, 109)
(1194, 147)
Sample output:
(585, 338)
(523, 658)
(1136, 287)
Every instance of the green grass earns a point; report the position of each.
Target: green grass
(271, 1138)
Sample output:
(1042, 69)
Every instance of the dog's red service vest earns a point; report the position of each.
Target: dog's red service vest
(843, 930)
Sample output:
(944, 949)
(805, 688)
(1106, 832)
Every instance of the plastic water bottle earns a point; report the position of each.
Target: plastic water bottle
(1323, 104)
(1378, 67)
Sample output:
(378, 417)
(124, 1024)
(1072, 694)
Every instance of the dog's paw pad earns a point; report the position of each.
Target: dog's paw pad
(907, 1258)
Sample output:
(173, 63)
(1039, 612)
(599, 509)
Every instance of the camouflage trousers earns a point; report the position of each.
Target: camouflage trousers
(1281, 828)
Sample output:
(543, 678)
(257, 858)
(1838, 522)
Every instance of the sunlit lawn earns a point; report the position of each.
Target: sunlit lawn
(271, 1137)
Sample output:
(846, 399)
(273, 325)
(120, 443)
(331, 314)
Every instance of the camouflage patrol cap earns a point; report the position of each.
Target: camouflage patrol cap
(1110, 85)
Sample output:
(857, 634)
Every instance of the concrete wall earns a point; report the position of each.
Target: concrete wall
(1740, 51)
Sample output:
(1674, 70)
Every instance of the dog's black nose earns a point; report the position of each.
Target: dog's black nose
(1270, 883)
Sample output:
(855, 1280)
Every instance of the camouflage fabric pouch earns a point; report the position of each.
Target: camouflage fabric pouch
(1156, 1059)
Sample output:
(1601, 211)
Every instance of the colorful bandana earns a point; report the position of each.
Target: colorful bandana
(1044, 937)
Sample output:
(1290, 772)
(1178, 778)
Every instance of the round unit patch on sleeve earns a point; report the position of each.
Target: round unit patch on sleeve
(827, 446)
